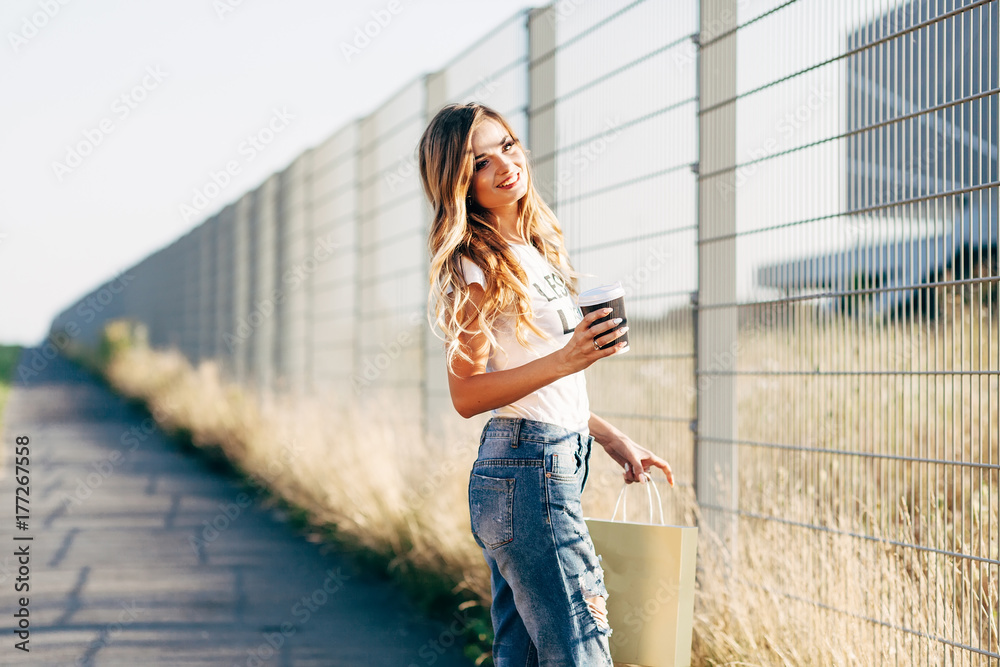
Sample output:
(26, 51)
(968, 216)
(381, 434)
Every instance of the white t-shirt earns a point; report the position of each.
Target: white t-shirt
(563, 402)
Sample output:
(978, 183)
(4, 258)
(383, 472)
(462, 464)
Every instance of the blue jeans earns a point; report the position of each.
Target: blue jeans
(524, 502)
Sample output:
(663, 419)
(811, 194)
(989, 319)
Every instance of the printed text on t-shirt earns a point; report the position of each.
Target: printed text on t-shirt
(556, 290)
(557, 287)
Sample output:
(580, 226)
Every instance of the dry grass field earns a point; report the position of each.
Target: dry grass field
(868, 481)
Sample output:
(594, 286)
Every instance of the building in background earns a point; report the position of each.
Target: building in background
(920, 169)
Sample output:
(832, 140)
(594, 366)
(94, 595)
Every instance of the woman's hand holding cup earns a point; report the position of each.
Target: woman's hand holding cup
(589, 340)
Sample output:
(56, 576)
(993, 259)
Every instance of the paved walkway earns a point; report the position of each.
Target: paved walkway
(114, 578)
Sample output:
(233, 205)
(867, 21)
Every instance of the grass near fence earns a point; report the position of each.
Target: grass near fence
(795, 595)
(9, 354)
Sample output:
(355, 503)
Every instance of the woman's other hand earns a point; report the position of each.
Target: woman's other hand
(635, 459)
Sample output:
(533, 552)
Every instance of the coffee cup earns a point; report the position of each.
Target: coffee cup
(607, 296)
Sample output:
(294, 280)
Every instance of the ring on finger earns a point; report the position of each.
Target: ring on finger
(596, 346)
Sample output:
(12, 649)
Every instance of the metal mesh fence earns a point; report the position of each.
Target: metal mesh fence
(625, 191)
(864, 184)
(801, 201)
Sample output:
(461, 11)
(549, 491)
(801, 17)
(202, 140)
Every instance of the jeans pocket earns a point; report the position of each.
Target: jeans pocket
(564, 464)
(491, 508)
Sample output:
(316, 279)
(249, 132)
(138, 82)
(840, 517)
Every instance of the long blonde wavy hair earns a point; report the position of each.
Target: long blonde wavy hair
(461, 227)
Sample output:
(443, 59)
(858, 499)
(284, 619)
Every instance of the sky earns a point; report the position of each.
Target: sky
(118, 116)
(116, 112)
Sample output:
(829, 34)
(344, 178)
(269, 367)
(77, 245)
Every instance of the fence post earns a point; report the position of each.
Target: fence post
(262, 308)
(189, 257)
(362, 205)
(541, 92)
(294, 247)
(224, 290)
(203, 257)
(308, 342)
(242, 288)
(717, 476)
(436, 396)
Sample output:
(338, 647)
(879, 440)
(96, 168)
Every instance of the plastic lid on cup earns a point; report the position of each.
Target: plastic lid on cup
(601, 294)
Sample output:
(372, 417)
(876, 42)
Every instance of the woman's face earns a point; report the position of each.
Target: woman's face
(501, 175)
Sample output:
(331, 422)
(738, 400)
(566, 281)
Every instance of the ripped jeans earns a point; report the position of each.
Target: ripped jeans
(524, 502)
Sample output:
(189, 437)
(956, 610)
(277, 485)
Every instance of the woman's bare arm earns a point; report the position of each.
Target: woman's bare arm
(474, 390)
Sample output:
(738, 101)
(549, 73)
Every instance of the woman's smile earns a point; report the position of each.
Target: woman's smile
(510, 181)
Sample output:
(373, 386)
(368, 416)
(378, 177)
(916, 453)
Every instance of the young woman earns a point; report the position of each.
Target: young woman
(503, 292)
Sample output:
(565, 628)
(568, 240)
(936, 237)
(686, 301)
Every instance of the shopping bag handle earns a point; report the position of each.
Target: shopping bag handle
(649, 493)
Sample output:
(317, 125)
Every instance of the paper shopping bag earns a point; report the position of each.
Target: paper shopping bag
(649, 571)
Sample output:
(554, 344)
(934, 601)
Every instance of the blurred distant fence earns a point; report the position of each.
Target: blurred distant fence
(801, 200)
